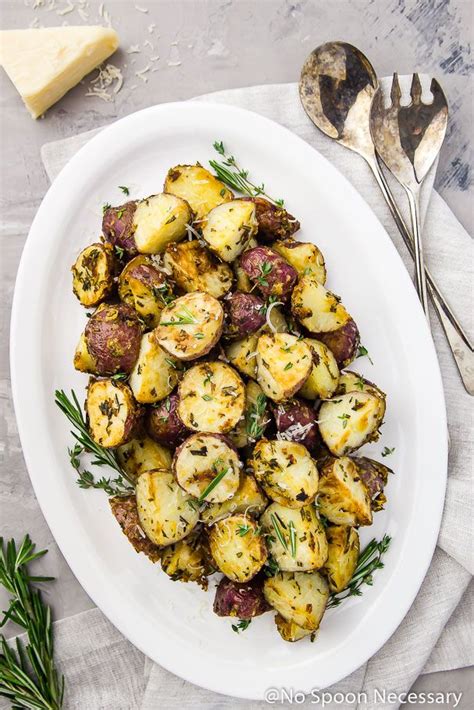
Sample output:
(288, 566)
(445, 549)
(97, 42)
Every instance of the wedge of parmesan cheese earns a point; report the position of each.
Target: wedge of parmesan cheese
(45, 63)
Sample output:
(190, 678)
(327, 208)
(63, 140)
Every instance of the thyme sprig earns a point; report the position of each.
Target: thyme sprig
(184, 318)
(28, 676)
(220, 473)
(369, 561)
(85, 479)
(230, 172)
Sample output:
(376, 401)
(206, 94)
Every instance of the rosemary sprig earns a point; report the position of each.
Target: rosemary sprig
(370, 560)
(292, 529)
(278, 530)
(255, 418)
(215, 481)
(185, 318)
(85, 479)
(28, 676)
(235, 177)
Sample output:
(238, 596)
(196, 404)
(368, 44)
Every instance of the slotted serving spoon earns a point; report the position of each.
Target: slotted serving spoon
(337, 86)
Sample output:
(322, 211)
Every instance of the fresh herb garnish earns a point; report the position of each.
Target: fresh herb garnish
(362, 351)
(234, 176)
(124, 189)
(271, 567)
(85, 479)
(184, 318)
(243, 530)
(370, 560)
(106, 207)
(28, 676)
(278, 531)
(288, 366)
(292, 529)
(220, 473)
(242, 625)
(255, 418)
(344, 418)
(265, 268)
(207, 397)
(119, 376)
(387, 451)
(119, 251)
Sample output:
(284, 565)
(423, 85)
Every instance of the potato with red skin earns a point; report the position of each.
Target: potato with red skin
(274, 222)
(164, 425)
(117, 227)
(272, 275)
(288, 415)
(242, 600)
(375, 476)
(124, 509)
(112, 337)
(343, 342)
(145, 288)
(246, 314)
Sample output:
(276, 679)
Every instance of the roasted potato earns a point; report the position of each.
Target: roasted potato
(156, 373)
(237, 547)
(274, 222)
(118, 228)
(305, 257)
(290, 631)
(375, 477)
(344, 548)
(143, 454)
(316, 308)
(190, 326)
(112, 337)
(124, 509)
(93, 274)
(242, 354)
(243, 600)
(188, 560)
(295, 538)
(248, 500)
(211, 398)
(163, 423)
(350, 420)
(113, 416)
(296, 421)
(286, 472)
(198, 187)
(299, 597)
(245, 314)
(144, 287)
(353, 382)
(83, 360)
(205, 459)
(283, 364)
(343, 342)
(195, 268)
(324, 376)
(269, 272)
(167, 513)
(343, 498)
(228, 228)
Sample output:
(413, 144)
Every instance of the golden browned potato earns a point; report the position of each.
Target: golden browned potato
(198, 187)
(344, 548)
(112, 413)
(159, 220)
(242, 354)
(143, 454)
(228, 228)
(144, 287)
(248, 500)
(190, 326)
(167, 513)
(156, 372)
(304, 257)
(188, 560)
(83, 360)
(211, 398)
(324, 376)
(316, 308)
(350, 420)
(286, 472)
(237, 547)
(289, 631)
(93, 274)
(283, 364)
(353, 382)
(195, 268)
(295, 538)
(343, 498)
(300, 597)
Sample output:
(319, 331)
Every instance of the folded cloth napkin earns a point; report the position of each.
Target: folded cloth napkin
(105, 671)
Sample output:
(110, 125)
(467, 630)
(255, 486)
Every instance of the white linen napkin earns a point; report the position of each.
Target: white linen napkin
(105, 671)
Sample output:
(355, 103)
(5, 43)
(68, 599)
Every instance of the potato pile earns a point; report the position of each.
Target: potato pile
(215, 354)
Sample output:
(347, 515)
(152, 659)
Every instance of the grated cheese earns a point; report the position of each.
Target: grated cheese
(100, 86)
(267, 315)
(65, 10)
(141, 9)
(295, 432)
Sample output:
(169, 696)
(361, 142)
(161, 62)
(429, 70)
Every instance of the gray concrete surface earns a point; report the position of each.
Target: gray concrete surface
(207, 45)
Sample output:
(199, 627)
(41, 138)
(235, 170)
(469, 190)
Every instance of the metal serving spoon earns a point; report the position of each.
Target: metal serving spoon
(337, 86)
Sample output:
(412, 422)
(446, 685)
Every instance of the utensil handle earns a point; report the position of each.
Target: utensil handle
(461, 347)
(420, 279)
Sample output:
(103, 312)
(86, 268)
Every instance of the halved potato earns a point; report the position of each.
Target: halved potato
(353, 382)
(198, 187)
(143, 454)
(304, 257)
(286, 472)
(203, 459)
(290, 631)
(83, 360)
(145, 288)
(343, 498)
(324, 375)
(300, 597)
(155, 374)
(112, 413)
(344, 548)
(166, 512)
(93, 274)
(159, 220)
(304, 547)
(237, 547)
(350, 420)
(248, 500)
(228, 228)
(190, 326)
(211, 398)
(316, 308)
(242, 354)
(284, 363)
(188, 560)
(195, 268)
